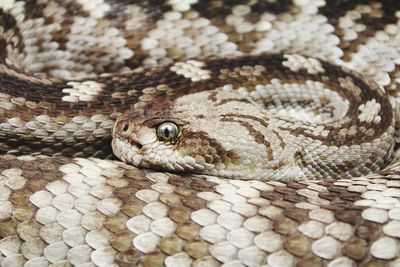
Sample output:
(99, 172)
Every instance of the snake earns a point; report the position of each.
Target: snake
(199, 133)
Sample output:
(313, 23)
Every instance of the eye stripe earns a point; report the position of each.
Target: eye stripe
(257, 135)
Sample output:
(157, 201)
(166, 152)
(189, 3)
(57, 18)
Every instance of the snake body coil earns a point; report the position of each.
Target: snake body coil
(272, 125)
(319, 121)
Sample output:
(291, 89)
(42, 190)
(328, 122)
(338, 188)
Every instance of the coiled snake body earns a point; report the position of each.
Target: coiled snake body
(266, 130)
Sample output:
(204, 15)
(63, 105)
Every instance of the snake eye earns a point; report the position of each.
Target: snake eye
(125, 128)
(167, 131)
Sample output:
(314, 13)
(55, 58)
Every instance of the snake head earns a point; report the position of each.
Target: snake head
(137, 135)
(193, 134)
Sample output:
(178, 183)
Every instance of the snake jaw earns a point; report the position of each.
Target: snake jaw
(126, 151)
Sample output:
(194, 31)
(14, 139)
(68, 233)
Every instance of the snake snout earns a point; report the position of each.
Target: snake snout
(124, 130)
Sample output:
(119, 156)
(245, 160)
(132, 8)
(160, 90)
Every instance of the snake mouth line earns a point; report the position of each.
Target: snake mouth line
(128, 141)
(127, 150)
(136, 144)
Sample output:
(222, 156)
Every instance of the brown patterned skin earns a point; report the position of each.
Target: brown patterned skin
(55, 99)
(74, 211)
(249, 126)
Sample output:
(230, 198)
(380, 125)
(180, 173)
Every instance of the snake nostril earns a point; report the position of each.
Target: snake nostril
(125, 127)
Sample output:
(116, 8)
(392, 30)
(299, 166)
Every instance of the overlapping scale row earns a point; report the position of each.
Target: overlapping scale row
(61, 211)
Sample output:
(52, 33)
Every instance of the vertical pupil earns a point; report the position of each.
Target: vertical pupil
(166, 132)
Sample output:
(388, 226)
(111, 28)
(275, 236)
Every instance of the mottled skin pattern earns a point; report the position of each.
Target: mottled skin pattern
(69, 69)
(347, 129)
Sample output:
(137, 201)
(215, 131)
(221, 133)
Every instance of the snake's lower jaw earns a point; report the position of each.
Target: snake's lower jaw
(126, 151)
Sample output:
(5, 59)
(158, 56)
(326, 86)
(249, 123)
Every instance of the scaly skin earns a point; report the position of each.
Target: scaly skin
(320, 121)
(68, 69)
